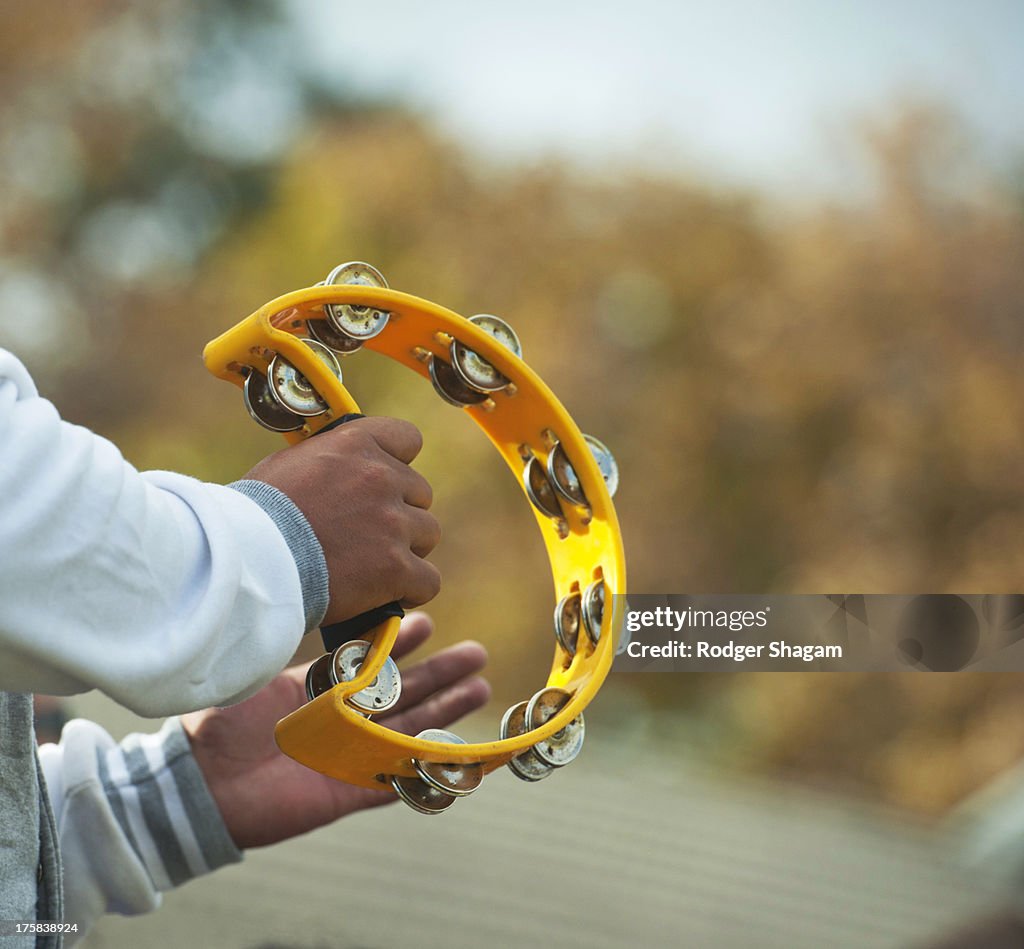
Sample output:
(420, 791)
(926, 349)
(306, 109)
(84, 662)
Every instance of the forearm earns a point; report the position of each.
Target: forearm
(133, 820)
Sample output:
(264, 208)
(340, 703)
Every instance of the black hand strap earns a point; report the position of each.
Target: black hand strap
(356, 626)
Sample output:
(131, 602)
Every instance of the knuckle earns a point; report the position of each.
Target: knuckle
(378, 479)
(395, 557)
(391, 523)
(361, 440)
(393, 564)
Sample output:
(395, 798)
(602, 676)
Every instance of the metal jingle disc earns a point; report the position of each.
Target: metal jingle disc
(292, 389)
(593, 610)
(513, 722)
(563, 476)
(567, 622)
(544, 706)
(323, 332)
(264, 408)
(625, 636)
(472, 368)
(382, 693)
(353, 319)
(421, 796)
(458, 779)
(563, 746)
(526, 766)
(567, 483)
(319, 678)
(450, 386)
(606, 463)
(539, 490)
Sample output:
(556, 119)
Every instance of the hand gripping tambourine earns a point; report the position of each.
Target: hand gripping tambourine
(285, 357)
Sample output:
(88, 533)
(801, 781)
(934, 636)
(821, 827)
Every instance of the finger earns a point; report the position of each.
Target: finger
(359, 799)
(443, 708)
(416, 490)
(440, 671)
(400, 439)
(422, 582)
(424, 531)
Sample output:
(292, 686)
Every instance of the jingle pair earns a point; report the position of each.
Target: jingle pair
(553, 752)
(283, 399)
(343, 665)
(575, 610)
(550, 484)
(437, 785)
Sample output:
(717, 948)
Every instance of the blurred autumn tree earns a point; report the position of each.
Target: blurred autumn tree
(812, 399)
(135, 139)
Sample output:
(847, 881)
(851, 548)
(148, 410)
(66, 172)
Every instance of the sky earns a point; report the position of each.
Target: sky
(760, 93)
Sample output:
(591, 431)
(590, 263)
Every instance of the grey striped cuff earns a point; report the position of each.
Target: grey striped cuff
(159, 797)
(305, 548)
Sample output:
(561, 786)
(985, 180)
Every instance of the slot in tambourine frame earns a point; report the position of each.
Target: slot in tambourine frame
(526, 423)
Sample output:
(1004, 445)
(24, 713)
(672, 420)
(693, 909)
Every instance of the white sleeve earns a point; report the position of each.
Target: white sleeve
(133, 820)
(166, 593)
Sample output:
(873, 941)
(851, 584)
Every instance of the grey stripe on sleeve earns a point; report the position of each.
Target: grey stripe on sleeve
(301, 540)
(154, 813)
(113, 794)
(208, 826)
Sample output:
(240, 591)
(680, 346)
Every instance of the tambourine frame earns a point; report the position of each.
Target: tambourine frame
(525, 419)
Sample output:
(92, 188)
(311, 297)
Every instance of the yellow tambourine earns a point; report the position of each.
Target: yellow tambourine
(285, 357)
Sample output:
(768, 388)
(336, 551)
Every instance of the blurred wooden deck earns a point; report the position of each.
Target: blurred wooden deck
(614, 851)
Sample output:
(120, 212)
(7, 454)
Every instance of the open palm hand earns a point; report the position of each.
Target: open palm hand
(264, 796)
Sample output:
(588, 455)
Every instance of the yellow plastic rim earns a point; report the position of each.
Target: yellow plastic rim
(523, 420)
